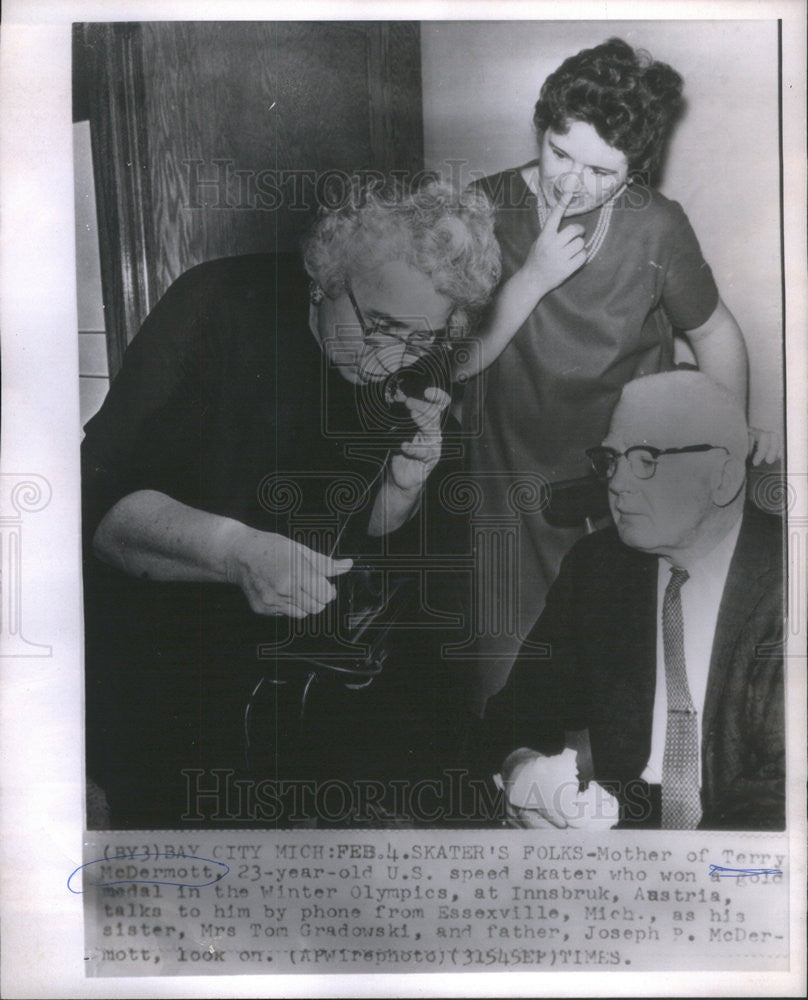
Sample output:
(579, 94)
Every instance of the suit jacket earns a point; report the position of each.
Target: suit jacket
(590, 663)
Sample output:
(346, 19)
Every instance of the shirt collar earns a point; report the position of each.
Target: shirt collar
(714, 565)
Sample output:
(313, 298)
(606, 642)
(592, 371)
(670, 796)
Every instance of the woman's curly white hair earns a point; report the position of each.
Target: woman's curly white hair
(445, 234)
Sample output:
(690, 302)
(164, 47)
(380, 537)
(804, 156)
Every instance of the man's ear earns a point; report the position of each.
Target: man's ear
(728, 479)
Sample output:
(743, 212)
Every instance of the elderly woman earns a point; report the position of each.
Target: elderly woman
(600, 271)
(236, 422)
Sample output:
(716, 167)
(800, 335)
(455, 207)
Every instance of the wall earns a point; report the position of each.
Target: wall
(246, 120)
(481, 80)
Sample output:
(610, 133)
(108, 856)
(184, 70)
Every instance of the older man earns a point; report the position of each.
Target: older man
(662, 635)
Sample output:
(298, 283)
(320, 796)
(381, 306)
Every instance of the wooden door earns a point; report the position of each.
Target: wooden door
(212, 139)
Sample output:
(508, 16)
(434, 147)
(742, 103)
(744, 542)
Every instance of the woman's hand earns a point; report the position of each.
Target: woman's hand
(551, 260)
(557, 253)
(151, 536)
(280, 576)
(764, 446)
(410, 467)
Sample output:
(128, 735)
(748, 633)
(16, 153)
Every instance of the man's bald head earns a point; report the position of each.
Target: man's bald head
(683, 495)
(679, 408)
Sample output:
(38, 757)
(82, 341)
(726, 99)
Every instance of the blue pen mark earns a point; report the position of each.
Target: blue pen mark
(117, 865)
(717, 871)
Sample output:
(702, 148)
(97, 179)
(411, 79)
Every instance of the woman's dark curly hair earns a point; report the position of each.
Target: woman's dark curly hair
(630, 100)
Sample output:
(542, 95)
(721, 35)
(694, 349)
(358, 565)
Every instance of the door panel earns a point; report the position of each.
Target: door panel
(239, 129)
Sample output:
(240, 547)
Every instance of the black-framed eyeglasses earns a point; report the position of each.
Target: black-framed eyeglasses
(642, 459)
(418, 339)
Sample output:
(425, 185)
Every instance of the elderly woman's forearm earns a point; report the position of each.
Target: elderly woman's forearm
(392, 508)
(154, 537)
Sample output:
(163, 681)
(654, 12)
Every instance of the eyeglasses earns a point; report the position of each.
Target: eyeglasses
(642, 459)
(418, 339)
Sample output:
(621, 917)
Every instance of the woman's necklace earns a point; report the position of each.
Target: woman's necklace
(595, 241)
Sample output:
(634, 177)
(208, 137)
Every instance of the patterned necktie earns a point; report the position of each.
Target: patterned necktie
(681, 805)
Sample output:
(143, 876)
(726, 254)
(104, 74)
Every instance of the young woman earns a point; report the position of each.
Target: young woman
(599, 270)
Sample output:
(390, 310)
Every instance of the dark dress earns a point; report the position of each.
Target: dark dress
(226, 403)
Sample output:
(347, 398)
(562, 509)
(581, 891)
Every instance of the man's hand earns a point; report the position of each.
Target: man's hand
(540, 815)
(544, 793)
(280, 576)
(532, 819)
(410, 467)
(557, 253)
